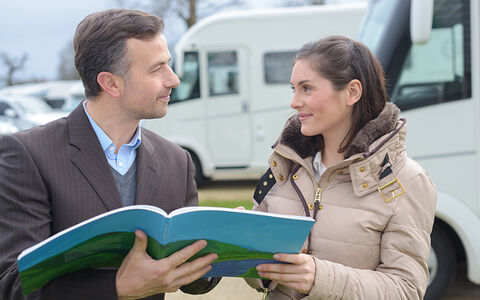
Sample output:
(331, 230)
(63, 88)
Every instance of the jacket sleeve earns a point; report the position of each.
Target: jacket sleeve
(405, 248)
(25, 214)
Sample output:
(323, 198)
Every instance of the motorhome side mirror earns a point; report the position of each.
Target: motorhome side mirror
(9, 112)
(421, 18)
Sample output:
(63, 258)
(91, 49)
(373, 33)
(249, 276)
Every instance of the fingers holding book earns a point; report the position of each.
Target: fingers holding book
(140, 275)
(298, 274)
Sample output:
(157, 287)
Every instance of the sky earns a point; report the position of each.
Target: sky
(42, 29)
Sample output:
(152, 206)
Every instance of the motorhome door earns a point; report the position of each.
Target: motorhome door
(227, 107)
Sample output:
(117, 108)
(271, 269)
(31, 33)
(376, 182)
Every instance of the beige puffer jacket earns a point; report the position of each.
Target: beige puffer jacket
(371, 238)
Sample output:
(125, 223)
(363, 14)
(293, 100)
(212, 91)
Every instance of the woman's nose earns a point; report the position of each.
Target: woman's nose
(295, 103)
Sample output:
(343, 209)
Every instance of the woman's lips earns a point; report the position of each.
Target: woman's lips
(303, 117)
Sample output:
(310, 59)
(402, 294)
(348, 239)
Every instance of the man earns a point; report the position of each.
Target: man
(98, 159)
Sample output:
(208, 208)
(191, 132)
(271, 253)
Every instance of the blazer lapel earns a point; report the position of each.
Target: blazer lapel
(149, 182)
(91, 160)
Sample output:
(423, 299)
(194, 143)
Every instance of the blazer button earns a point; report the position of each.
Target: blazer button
(280, 177)
(295, 177)
(310, 206)
(274, 163)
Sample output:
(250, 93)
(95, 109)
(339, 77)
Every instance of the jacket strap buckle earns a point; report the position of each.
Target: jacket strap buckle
(391, 190)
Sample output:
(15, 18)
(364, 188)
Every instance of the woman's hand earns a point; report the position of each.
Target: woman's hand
(298, 275)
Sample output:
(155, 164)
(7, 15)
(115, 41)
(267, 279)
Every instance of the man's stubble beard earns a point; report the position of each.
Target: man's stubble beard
(142, 113)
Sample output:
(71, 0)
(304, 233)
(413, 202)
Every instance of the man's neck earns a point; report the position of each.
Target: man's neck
(106, 113)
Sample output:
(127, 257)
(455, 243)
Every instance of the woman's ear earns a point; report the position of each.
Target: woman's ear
(354, 91)
(110, 83)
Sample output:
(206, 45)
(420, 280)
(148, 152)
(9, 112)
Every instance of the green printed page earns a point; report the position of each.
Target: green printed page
(242, 240)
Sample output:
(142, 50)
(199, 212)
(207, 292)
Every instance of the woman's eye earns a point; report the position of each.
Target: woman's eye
(293, 88)
(306, 88)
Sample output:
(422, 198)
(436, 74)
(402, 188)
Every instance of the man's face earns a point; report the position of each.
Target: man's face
(149, 81)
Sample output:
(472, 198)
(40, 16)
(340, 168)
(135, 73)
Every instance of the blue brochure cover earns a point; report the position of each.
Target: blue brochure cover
(241, 238)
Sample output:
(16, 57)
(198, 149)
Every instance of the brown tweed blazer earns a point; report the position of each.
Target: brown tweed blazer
(55, 176)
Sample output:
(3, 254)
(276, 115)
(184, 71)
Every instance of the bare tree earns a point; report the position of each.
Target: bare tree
(187, 10)
(13, 65)
(66, 68)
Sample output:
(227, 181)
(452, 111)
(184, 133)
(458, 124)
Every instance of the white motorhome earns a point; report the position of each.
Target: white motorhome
(437, 86)
(234, 95)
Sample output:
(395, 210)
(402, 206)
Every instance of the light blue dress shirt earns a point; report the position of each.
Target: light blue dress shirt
(121, 161)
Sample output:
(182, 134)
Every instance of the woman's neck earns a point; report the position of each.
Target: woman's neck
(330, 154)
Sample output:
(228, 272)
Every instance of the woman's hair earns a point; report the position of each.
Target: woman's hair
(100, 42)
(340, 60)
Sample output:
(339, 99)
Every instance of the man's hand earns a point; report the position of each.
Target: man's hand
(140, 275)
(298, 275)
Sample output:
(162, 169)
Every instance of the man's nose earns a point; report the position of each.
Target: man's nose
(173, 81)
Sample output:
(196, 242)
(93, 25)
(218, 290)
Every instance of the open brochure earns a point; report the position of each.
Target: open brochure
(241, 238)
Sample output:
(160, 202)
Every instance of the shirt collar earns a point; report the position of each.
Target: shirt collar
(318, 166)
(103, 138)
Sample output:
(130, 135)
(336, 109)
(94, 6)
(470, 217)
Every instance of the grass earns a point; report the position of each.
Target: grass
(247, 203)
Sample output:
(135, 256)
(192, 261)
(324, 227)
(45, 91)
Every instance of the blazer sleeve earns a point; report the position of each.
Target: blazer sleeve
(191, 195)
(25, 215)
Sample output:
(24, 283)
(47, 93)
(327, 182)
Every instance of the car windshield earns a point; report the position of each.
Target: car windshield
(374, 22)
(31, 105)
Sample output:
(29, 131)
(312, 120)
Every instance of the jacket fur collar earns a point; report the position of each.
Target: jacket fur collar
(306, 146)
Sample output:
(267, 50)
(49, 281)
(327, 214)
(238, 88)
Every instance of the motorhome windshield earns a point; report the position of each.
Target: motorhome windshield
(375, 21)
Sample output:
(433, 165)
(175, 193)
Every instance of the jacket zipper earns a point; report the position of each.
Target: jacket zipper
(319, 193)
(266, 291)
(318, 190)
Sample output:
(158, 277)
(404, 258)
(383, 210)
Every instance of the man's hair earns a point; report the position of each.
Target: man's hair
(100, 43)
(340, 60)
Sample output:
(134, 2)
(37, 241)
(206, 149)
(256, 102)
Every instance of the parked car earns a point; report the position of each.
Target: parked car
(25, 112)
(75, 96)
(6, 127)
(61, 94)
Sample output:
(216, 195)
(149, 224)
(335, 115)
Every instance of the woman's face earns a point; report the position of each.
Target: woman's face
(321, 109)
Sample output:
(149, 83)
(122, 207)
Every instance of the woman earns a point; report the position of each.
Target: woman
(341, 160)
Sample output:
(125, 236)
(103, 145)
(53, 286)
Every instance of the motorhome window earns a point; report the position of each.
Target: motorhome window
(277, 66)
(375, 21)
(440, 70)
(189, 87)
(222, 73)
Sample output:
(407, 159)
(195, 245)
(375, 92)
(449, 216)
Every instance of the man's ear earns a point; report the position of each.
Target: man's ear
(354, 91)
(110, 83)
